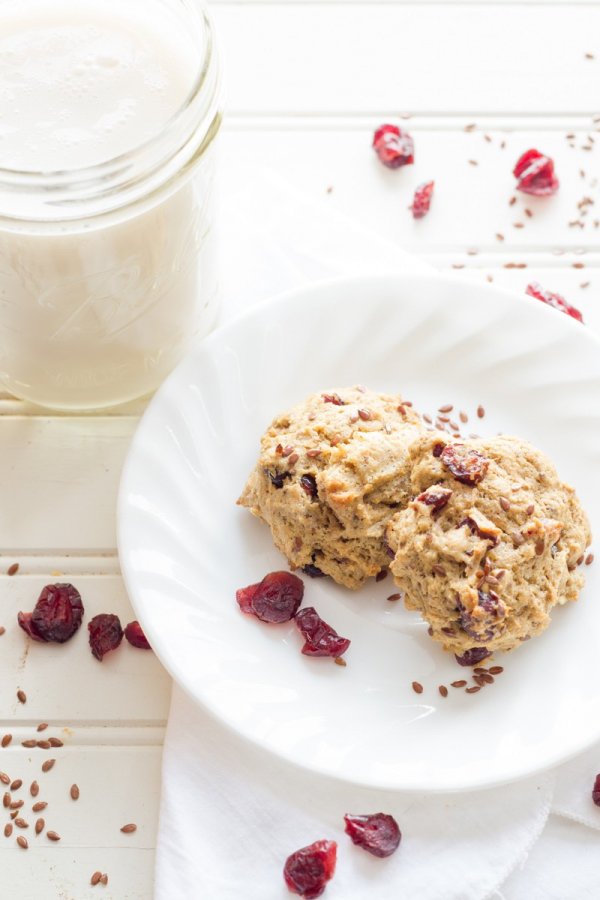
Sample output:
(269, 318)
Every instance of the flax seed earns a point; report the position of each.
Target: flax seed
(479, 670)
(472, 690)
(417, 688)
(6, 800)
(2, 630)
(505, 504)
(589, 559)
(443, 690)
(14, 813)
(463, 417)
(38, 807)
(528, 213)
(394, 597)
(6, 740)
(365, 414)
(16, 804)
(39, 826)
(28, 743)
(22, 842)
(439, 570)
(75, 790)
(473, 162)
(43, 745)
(512, 201)
(21, 823)
(448, 407)
(53, 836)
(95, 878)
(42, 726)
(381, 575)
(339, 661)
(104, 879)
(55, 742)
(34, 789)
(47, 765)
(480, 412)
(13, 569)
(21, 696)
(540, 546)
(499, 237)
(293, 459)
(471, 127)
(496, 670)
(16, 784)
(530, 509)
(517, 538)
(312, 454)
(458, 684)
(4, 778)
(8, 829)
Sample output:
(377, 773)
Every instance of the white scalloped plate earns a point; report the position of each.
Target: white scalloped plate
(185, 546)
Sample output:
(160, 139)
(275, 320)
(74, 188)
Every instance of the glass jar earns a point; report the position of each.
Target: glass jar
(108, 271)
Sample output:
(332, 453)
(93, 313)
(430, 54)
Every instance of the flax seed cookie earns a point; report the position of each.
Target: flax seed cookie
(331, 473)
(492, 540)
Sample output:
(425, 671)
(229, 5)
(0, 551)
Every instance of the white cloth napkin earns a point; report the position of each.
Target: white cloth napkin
(231, 813)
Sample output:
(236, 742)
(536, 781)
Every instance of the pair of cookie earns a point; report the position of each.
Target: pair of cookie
(482, 536)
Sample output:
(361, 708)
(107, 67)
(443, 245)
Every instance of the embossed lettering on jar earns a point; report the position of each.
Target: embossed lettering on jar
(107, 270)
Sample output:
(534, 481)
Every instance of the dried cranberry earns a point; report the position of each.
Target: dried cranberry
(320, 638)
(277, 478)
(308, 870)
(554, 300)
(105, 634)
(535, 174)
(333, 398)
(57, 614)
(467, 465)
(393, 146)
(422, 200)
(308, 483)
(490, 602)
(275, 599)
(596, 791)
(486, 533)
(437, 497)
(377, 834)
(473, 656)
(136, 637)
(438, 449)
(313, 571)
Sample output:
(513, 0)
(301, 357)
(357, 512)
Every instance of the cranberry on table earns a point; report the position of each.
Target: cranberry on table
(105, 634)
(466, 465)
(320, 638)
(535, 174)
(422, 200)
(378, 833)
(308, 870)
(275, 599)
(393, 146)
(136, 637)
(596, 791)
(554, 300)
(57, 614)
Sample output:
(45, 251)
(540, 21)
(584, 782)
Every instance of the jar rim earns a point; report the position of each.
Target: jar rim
(110, 176)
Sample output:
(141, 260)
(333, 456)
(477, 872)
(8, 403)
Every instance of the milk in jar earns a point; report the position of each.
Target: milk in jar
(107, 258)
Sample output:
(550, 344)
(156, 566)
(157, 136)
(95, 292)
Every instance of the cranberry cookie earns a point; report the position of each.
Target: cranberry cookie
(331, 473)
(492, 540)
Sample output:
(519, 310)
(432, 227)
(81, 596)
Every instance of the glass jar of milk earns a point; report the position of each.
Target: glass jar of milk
(107, 258)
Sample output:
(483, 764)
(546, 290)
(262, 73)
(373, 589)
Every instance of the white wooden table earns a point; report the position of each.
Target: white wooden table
(307, 81)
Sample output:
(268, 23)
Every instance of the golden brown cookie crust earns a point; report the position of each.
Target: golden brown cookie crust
(486, 564)
(331, 473)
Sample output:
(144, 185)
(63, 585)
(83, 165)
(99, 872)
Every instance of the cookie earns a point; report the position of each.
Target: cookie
(331, 473)
(492, 540)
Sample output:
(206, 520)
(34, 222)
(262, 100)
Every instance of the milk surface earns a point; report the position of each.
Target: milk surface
(82, 83)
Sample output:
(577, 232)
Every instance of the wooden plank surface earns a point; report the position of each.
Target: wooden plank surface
(417, 57)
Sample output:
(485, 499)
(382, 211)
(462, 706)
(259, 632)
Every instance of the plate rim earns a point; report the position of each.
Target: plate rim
(434, 785)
